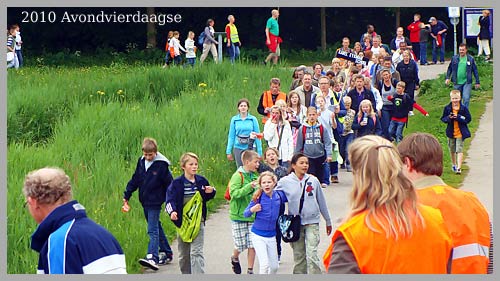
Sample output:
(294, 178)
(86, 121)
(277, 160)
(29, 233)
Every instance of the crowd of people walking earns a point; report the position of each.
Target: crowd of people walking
(403, 217)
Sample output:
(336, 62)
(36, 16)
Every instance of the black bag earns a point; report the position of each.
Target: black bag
(289, 225)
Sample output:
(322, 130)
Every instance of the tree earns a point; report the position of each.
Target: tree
(151, 30)
(323, 29)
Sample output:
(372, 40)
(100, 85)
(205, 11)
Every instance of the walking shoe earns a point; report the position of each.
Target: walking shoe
(324, 185)
(236, 265)
(149, 262)
(410, 113)
(250, 271)
(459, 171)
(441, 62)
(454, 168)
(264, 62)
(335, 179)
(164, 258)
(342, 166)
(431, 62)
(349, 169)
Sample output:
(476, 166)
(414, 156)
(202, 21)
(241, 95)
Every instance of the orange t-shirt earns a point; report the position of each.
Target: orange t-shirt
(456, 130)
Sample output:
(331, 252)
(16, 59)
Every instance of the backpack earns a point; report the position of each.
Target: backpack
(227, 195)
(191, 218)
(304, 128)
(201, 38)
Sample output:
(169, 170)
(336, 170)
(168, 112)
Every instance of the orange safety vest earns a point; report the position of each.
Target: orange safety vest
(426, 251)
(468, 223)
(267, 101)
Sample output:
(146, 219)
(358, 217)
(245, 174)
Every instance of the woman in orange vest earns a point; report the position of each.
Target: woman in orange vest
(387, 231)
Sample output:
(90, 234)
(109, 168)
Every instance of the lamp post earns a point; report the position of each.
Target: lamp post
(454, 15)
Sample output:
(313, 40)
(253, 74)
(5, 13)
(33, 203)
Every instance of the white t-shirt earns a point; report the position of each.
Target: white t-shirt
(189, 45)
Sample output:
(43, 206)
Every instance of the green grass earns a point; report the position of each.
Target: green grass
(91, 120)
(434, 96)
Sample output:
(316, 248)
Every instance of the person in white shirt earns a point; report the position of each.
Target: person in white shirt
(176, 44)
(190, 49)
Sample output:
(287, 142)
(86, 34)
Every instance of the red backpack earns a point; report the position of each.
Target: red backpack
(227, 195)
(304, 128)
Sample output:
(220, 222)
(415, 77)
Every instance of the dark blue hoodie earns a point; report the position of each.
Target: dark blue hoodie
(152, 183)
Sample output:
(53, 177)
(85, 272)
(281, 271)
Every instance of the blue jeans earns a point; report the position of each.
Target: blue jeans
(190, 61)
(19, 55)
(397, 129)
(334, 168)
(177, 60)
(345, 141)
(423, 53)
(466, 90)
(385, 121)
(157, 238)
(234, 52)
(316, 167)
(434, 51)
(326, 173)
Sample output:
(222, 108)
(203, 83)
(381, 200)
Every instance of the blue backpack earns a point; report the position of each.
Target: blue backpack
(201, 38)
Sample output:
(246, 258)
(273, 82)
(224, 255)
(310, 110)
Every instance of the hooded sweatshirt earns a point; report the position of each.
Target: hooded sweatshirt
(314, 199)
(152, 181)
(314, 144)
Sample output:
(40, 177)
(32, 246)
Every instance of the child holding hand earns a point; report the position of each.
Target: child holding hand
(265, 204)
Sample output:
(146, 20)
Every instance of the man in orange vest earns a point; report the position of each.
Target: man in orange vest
(269, 98)
(465, 217)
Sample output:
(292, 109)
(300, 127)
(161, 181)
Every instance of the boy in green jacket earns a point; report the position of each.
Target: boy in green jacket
(241, 188)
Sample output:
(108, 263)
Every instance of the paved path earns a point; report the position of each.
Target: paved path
(218, 240)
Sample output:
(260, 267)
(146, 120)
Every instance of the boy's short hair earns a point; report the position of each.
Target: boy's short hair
(186, 156)
(424, 151)
(248, 155)
(149, 145)
(401, 84)
(176, 33)
(347, 99)
(455, 93)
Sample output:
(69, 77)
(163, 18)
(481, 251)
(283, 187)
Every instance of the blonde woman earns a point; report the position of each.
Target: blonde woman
(386, 231)
(278, 134)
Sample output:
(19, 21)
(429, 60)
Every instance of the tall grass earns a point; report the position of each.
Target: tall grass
(91, 122)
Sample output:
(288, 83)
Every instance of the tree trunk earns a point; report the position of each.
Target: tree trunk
(398, 17)
(151, 30)
(323, 29)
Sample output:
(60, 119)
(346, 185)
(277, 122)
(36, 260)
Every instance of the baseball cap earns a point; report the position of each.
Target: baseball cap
(432, 19)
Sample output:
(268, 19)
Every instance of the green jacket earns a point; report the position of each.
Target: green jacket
(241, 194)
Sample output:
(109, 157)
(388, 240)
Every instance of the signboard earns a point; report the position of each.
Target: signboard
(471, 15)
(453, 12)
(352, 57)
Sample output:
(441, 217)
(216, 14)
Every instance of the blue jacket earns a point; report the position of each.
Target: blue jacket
(265, 220)
(471, 69)
(463, 118)
(152, 183)
(242, 128)
(175, 196)
(372, 128)
(71, 243)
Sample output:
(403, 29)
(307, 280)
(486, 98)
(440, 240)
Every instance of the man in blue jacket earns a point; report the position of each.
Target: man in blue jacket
(68, 241)
(460, 70)
(438, 34)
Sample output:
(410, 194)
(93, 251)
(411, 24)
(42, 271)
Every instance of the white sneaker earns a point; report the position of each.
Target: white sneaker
(149, 262)
(411, 113)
